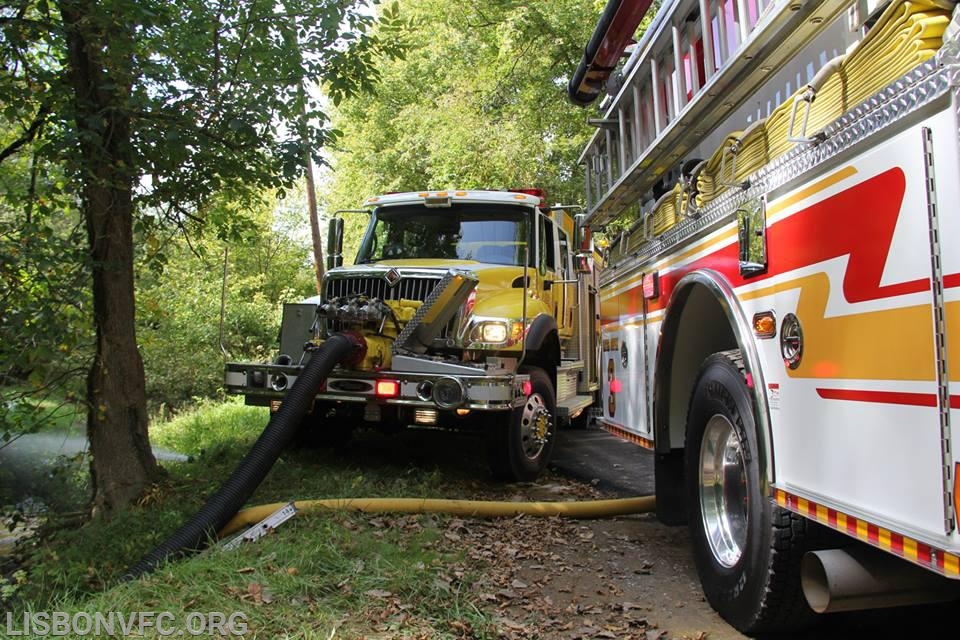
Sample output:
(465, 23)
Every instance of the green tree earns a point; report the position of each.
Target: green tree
(479, 102)
(179, 298)
(44, 302)
(152, 107)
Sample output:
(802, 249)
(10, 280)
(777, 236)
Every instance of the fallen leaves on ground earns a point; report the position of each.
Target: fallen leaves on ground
(532, 578)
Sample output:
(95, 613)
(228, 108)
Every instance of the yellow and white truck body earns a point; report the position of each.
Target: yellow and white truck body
(780, 316)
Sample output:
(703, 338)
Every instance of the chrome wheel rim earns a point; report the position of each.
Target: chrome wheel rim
(534, 426)
(723, 491)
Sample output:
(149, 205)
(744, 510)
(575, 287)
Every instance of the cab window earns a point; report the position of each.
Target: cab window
(548, 259)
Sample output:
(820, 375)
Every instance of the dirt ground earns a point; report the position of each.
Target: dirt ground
(627, 577)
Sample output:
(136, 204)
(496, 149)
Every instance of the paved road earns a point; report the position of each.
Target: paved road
(614, 465)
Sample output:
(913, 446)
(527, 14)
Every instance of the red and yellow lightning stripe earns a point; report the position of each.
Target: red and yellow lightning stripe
(939, 560)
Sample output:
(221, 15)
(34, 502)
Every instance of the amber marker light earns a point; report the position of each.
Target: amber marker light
(388, 388)
(460, 193)
(765, 325)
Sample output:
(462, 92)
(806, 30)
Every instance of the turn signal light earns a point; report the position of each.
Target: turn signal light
(765, 324)
(388, 388)
(537, 193)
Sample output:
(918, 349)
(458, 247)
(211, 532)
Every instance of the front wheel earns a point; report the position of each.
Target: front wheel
(746, 549)
(520, 443)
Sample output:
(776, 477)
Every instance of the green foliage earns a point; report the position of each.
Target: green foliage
(44, 301)
(179, 299)
(478, 102)
(316, 570)
(191, 109)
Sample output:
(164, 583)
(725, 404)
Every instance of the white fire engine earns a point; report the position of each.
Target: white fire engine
(781, 320)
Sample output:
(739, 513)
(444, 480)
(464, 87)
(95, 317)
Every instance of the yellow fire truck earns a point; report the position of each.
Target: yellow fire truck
(475, 310)
(780, 315)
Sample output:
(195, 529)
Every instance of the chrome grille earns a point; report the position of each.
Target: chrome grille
(376, 287)
(408, 288)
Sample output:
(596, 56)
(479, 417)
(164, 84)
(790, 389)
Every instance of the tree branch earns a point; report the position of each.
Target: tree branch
(29, 135)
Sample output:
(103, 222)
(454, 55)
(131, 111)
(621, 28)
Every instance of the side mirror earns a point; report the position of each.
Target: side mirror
(335, 243)
(584, 234)
(583, 263)
(584, 241)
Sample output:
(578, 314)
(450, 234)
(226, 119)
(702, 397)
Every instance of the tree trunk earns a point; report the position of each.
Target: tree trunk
(314, 223)
(99, 58)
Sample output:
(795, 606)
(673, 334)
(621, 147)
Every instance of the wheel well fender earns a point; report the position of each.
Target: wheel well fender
(543, 346)
(702, 318)
(541, 327)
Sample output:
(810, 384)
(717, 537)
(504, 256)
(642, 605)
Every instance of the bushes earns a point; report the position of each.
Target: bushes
(179, 333)
(178, 306)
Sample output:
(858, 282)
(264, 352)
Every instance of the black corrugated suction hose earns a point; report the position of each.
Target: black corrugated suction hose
(251, 471)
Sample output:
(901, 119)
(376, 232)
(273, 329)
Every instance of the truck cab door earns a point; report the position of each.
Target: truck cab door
(546, 259)
(551, 269)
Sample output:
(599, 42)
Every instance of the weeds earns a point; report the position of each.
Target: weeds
(317, 575)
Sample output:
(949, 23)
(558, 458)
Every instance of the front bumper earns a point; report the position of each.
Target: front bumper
(262, 384)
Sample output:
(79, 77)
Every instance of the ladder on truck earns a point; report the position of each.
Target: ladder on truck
(697, 63)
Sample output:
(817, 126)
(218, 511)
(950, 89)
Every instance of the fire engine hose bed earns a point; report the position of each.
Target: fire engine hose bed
(908, 33)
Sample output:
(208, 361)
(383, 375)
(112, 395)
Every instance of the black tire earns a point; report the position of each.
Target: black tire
(582, 421)
(515, 452)
(748, 559)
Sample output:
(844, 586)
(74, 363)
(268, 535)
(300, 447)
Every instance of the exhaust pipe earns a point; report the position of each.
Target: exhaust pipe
(863, 578)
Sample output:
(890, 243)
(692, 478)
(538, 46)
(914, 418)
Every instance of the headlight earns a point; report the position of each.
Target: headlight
(494, 332)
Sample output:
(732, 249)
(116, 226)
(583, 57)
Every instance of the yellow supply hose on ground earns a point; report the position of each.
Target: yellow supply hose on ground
(472, 508)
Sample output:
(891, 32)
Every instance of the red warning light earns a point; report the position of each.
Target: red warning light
(388, 388)
(531, 191)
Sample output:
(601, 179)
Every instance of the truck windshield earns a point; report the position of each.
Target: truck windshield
(494, 234)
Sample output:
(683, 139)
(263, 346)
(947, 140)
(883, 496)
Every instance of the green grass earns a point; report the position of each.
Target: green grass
(208, 426)
(353, 575)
